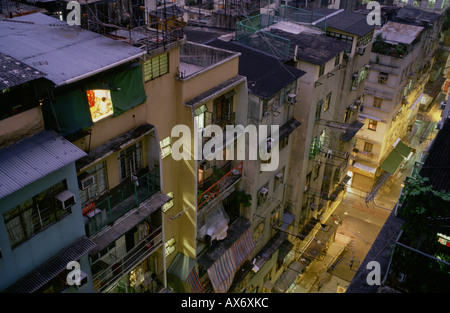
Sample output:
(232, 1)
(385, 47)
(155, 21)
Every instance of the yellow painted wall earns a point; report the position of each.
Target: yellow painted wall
(21, 125)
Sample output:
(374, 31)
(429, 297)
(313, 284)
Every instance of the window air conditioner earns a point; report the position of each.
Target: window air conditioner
(87, 182)
(83, 279)
(353, 108)
(65, 199)
(263, 192)
(360, 50)
(292, 98)
(279, 175)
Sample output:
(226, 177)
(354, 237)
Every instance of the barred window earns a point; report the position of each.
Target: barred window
(98, 183)
(156, 67)
(130, 160)
(34, 215)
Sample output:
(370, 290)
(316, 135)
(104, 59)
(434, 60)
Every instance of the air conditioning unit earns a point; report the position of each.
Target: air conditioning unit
(360, 50)
(357, 102)
(65, 199)
(87, 182)
(442, 106)
(292, 98)
(353, 108)
(83, 280)
(367, 66)
(263, 192)
(279, 175)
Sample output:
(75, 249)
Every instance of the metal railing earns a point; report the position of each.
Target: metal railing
(220, 186)
(122, 265)
(121, 201)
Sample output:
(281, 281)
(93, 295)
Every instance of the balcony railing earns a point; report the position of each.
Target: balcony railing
(106, 273)
(220, 186)
(121, 201)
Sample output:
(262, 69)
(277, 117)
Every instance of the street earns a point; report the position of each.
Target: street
(360, 222)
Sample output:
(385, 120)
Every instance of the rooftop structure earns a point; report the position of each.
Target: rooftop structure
(14, 72)
(64, 53)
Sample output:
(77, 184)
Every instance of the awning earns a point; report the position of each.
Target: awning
(33, 158)
(223, 261)
(47, 271)
(288, 128)
(392, 162)
(351, 131)
(361, 115)
(183, 268)
(146, 208)
(400, 152)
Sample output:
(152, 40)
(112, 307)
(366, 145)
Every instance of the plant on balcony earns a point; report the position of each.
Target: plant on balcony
(380, 46)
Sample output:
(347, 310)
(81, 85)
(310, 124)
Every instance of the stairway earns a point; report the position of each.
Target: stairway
(377, 185)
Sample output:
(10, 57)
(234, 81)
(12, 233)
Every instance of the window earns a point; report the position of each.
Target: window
(308, 181)
(377, 102)
(373, 125)
(337, 60)
(34, 215)
(321, 70)
(319, 109)
(368, 147)
(223, 107)
(130, 160)
(345, 38)
(274, 217)
(100, 104)
(258, 232)
(314, 148)
(166, 147)
(168, 204)
(156, 67)
(383, 78)
(322, 138)
(202, 117)
(97, 175)
(316, 170)
(326, 104)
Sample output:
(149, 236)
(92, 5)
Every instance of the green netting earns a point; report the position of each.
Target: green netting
(251, 31)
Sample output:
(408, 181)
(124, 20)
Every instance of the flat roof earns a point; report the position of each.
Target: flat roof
(64, 53)
(349, 22)
(312, 48)
(393, 32)
(33, 158)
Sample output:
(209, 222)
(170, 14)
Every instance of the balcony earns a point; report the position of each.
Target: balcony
(108, 270)
(220, 188)
(120, 201)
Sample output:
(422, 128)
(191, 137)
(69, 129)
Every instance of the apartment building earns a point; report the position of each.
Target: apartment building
(96, 103)
(272, 96)
(41, 225)
(331, 95)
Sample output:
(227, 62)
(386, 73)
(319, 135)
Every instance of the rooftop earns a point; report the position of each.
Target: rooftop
(64, 53)
(266, 75)
(14, 73)
(311, 47)
(396, 33)
(347, 21)
(33, 158)
(416, 16)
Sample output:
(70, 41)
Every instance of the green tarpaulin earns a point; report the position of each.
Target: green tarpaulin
(392, 162)
(69, 112)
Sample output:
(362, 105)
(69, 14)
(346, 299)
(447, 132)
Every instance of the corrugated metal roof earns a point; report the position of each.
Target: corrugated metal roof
(399, 33)
(32, 158)
(61, 51)
(48, 270)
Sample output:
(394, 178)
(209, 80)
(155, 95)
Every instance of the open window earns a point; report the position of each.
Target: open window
(100, 104)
